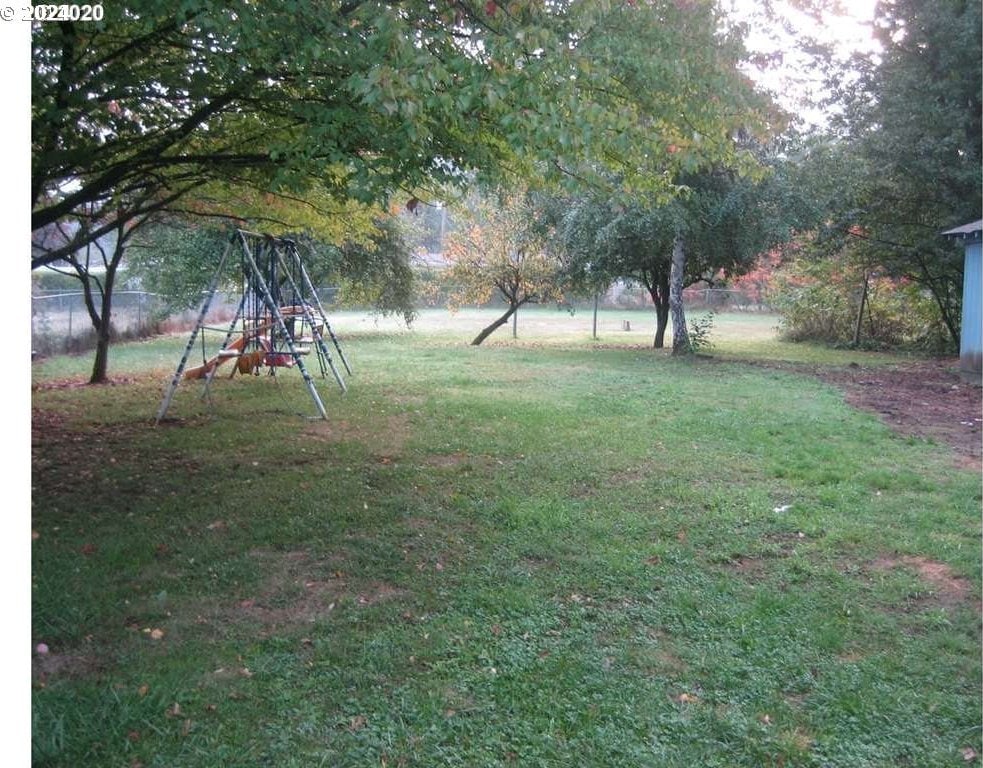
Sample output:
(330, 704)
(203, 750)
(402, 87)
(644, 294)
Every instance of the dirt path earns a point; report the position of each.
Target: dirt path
(926, 399)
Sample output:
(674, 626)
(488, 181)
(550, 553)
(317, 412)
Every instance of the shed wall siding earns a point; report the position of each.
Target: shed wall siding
(971, 343)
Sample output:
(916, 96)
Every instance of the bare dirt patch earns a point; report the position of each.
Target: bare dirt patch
(948, 589)
(466, 461)
(58, 439)
(115, 381)
(299, 589)
(385, 438)
(333, 431)
(588, 488)
(926, 399)
(447, 460)
(70, 664)
(751, 566)
(419, 524)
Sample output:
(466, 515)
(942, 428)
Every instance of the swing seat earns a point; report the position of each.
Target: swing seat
(279, 360)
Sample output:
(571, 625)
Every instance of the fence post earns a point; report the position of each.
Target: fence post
(594, 331)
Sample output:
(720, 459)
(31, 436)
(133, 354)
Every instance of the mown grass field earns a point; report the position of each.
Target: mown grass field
(550, 552)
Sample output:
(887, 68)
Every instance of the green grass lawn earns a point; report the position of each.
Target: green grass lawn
(549, 552)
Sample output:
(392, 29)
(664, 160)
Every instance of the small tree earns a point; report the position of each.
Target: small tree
(96, 266)
(501, 249)
(602, 243)
(717, 227)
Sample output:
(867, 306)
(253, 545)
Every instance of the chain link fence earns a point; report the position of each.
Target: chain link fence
(697, 298)
(725, 300)
(60, 322)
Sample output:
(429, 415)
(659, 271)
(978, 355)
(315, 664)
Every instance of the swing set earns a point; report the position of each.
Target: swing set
(279, 320)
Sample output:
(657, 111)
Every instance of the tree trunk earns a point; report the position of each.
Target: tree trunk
(660, 299)
(860, 312)
(102, 319)
(103, 328)
(661, 323)
(100, 365)
(496, 325)
(680, 335)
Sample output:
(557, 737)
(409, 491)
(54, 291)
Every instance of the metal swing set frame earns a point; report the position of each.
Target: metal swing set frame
(278, 321)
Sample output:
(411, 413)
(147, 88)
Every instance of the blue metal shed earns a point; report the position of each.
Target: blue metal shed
(971, 336)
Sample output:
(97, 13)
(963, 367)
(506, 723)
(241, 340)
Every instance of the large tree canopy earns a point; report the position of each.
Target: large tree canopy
(726, 220)
(906, 163)
(177, 259)
(362, 98)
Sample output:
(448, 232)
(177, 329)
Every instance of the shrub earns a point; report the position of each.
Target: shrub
(699, 332)
(820, 300)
